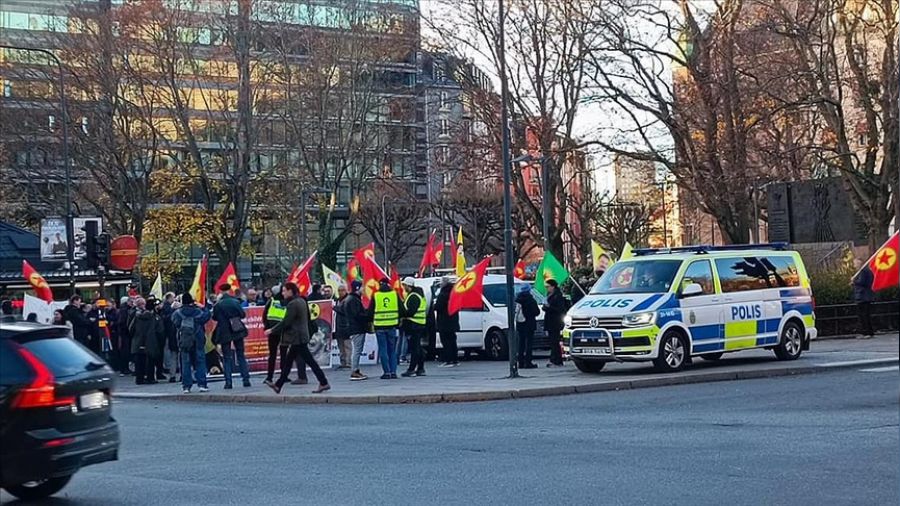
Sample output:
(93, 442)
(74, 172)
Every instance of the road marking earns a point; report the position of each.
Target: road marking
(882, 369)
(858, 362)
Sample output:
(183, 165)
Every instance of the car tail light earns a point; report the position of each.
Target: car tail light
(41, 392)
(56, 443)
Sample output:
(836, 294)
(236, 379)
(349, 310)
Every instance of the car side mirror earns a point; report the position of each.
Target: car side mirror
(692, 290)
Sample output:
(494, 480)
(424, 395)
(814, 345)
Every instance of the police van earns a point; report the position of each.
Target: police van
(669, 305)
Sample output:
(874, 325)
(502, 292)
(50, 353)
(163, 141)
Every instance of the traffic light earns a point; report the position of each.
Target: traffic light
(96, 245)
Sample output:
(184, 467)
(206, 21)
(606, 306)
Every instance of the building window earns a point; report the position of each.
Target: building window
(51, 122)
(7, 89)
(84, 124)
(862, 139)
(445, 101)
(445, 128)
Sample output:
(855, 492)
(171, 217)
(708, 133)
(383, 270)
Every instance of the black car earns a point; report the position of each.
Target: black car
(55, 409)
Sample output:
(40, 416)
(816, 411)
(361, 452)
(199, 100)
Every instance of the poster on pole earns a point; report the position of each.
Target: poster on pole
(54, 247)
(54, 240)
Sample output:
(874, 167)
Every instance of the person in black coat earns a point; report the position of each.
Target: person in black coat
(527, 311)
(554, 311)
(863, 295)
(81, 327)
(447, 324)
(126, 307)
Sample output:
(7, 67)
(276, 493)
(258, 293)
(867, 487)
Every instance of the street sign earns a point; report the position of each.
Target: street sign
(123, 253)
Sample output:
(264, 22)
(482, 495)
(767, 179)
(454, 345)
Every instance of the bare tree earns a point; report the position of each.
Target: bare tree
(846, 53)
(340, 96)
(617, 223)
(547, 56)
(404, 218)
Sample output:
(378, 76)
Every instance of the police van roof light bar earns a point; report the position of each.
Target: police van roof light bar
(706, 248)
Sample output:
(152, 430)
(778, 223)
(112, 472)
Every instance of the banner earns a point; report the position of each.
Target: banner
(256, 344)
(42, 309)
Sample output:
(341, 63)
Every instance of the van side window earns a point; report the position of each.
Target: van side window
(757, 273)
(700, 272)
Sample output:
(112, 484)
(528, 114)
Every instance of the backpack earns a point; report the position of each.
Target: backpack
(531, 309)
(186, 333)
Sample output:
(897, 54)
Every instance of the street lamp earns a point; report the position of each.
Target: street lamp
(303, 193)
(507, 198)
(70, 219)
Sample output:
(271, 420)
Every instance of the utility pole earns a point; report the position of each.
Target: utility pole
(510, 261)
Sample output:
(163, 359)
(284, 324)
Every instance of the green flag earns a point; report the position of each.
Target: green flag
(550, 268)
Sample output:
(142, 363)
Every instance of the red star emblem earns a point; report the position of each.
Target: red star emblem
(886, 259)
(465, 283)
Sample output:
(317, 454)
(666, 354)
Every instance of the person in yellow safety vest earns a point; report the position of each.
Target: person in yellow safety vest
(385, 315)
(274, 312)
(415, 312)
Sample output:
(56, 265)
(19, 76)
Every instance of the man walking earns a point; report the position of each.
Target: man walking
(447, 324)
(294, 332)
(230, 333)
(527, 311)
(863, 295)
(554, 312)
(189, 322)
(415, 312)
(342, 328)
(386, 318)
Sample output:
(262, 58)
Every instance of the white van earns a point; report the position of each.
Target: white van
(667, 306)
(484, 330)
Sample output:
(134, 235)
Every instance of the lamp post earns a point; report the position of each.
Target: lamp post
(303, 193)
(70, 218)
(507, 198)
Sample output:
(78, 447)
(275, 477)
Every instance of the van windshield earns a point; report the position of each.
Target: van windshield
(653, 276)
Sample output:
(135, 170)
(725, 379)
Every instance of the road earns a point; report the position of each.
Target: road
(829, 438)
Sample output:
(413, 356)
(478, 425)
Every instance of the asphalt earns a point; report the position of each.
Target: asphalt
(482, 381)
(829, 438)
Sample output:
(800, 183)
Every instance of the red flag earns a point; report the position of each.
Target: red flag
(300, 275)
(352, 273)
(372, 273)
(454, 248)
(395, 281)
(519, 270)
(198, 286)
(230, 277)
(432, 255)
(467, 292)
(41, 288)
(884, 265)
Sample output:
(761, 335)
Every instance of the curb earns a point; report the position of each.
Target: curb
(523, 393)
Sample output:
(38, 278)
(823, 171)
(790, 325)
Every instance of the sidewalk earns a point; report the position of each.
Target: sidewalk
(481, 381)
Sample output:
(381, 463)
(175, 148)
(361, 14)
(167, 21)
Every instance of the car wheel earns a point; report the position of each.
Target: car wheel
(589, 366)
(791, 344)
(495, 345)
(712, 357)
(673, 352)
(34, 490)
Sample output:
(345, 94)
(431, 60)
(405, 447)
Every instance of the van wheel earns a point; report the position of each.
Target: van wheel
(34, 490)
(712, 357)
(673, 352)
(496, 346)
(791, 344)
(589, 366)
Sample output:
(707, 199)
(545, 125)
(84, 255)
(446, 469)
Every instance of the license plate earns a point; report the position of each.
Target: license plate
(596, 351)
(93, 400)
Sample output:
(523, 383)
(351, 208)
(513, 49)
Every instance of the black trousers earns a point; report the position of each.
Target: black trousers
(555, 347)
(526, 340)
(273, 355)
(416, 352)
(451, 352)
(145, 369)
(864, 311)
(302, 351)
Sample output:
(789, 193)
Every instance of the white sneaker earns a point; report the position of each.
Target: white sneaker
(203, 390)
(186, 391)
